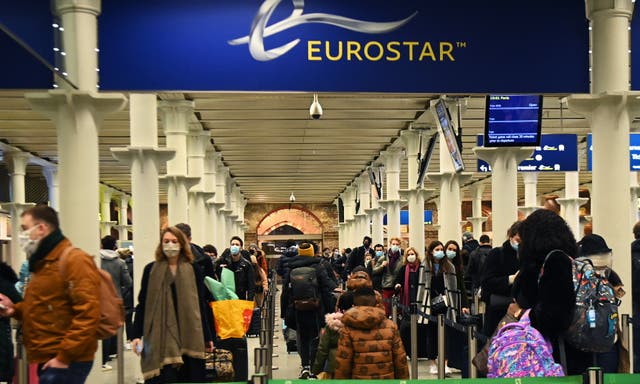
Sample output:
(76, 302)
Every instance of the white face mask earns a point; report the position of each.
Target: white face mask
(411, 258)
(28, 245)
(171, 250)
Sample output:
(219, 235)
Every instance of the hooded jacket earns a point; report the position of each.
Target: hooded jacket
(110, 261)
(326, 354)
(370, 347)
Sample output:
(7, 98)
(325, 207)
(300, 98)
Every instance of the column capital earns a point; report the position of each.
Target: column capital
(183, 106)
(106, 192)
(128, 155)
(426, 193)
(477, 189)
(54, 102)
(572, 201)
(526, 211)
(93, 7)
(175, 116)
(480, 220)
(410, 139)
(530, 177)
(491, 155)
(16, 207)
(188, 181)
(602, 8)
(17, 162)
(585, 104)
(392, 158)
(448, 176)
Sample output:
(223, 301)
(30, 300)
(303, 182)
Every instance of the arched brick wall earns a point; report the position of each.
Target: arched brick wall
(297, 217)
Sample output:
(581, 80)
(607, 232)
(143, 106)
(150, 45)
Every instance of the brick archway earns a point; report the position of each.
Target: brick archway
(295, 216)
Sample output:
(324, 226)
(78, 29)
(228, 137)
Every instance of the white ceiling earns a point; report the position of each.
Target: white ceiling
(273, 148)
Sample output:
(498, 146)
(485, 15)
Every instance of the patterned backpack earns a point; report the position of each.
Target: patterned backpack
(520, 350)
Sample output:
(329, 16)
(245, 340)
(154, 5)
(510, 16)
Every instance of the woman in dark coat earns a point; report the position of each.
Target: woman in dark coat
(8, 279)
(548, 292)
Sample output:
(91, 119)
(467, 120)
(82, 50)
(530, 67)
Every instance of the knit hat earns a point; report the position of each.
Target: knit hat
(592, 245)
(467, 236)
(306, 249)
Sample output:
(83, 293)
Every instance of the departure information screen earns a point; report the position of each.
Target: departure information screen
(513, 120)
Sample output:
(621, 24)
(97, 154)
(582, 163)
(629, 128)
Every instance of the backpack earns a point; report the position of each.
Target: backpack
(592, 290)
(520, 350)
(303, 285)
(111, 305)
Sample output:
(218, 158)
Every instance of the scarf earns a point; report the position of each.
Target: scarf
(393, 259)
(44, 248)
(410, 268)
(166, 336)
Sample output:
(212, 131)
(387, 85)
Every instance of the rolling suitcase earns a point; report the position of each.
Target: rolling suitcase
(238, 348)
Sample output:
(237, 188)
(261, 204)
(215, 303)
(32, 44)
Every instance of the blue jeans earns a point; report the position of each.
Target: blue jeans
(76, 374)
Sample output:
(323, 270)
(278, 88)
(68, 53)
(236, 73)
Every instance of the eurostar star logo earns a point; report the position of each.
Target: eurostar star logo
(260, 30)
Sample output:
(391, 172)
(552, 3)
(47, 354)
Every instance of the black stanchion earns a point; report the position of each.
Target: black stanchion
(626, 338)
(413, 310)
(120, 352)
(472, 347)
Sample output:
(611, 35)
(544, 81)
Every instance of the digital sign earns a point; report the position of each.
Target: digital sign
(556, 153)
(513, 120)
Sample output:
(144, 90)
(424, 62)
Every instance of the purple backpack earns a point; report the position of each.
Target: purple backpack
(520, 350)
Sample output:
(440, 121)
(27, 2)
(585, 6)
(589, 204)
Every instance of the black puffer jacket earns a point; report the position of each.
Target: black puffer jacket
(8, 279)
(244, 276)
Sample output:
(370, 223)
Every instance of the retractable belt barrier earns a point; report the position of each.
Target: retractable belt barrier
(263, 355)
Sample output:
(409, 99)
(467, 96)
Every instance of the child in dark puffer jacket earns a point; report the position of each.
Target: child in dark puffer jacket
(326, 354)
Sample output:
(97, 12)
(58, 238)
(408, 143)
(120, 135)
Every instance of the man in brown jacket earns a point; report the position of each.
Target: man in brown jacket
(61, 308)
(369, 346)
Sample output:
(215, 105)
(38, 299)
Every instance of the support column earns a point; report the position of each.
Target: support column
(211, 219)
(477, 219)
(504, 185)
(221, 196)
(530, 180)
(17, 164)
(376, 213)
(145, 159)
(362, 218)
(349, 216)
(392, 158)
(105, 211)
(414, 194)
(175, 117)
(123, 221)
(197, 140)
(635, 195)
(340, 227)
(571, 203)
(51, 176)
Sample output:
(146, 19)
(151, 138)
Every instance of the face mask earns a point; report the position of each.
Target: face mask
(451, 254)
(28, 245)
(171, 250)
(379, 253)
(234, 249)
(514, 245)
(395, 248)
(411, 258)
(438, 255)
(336, 253)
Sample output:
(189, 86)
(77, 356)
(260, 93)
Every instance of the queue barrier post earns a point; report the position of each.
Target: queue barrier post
(441, 347)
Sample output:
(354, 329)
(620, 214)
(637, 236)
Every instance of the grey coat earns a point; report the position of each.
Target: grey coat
(424, 288)
(117, 268)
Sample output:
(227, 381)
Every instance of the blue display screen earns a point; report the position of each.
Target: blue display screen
(513, 120)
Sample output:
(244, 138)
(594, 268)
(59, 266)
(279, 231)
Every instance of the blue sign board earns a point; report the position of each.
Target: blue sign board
(634, 152)
(333, 45)
(556, 153)
(404, 217)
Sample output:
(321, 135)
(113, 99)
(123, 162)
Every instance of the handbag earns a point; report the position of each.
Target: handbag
(480, 360)
(219, 365)
(438, 303)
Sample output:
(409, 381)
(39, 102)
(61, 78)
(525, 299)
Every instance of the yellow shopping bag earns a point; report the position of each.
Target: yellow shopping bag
(232, 317)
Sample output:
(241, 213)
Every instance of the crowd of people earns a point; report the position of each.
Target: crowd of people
(338, 302)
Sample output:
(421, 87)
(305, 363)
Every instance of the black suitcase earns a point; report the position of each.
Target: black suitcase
(254, 326)
(238, 348)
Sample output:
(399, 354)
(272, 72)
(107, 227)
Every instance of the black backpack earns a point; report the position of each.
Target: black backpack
(303, 285)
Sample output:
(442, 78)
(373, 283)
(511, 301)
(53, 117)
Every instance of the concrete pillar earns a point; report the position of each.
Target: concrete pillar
(376, 213)
(364, 193)
(221, 202)
(530, 180)
(635, 195)
(610, 108)
(392, 203)
(145, 159)
(105, 211)
(196, 143)
(51, 176)
(504, 185)
(123, 221)
(349, 201)
(175, 117)
(211, 218)
(477, 219)
(17, 164)
(570, 204)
